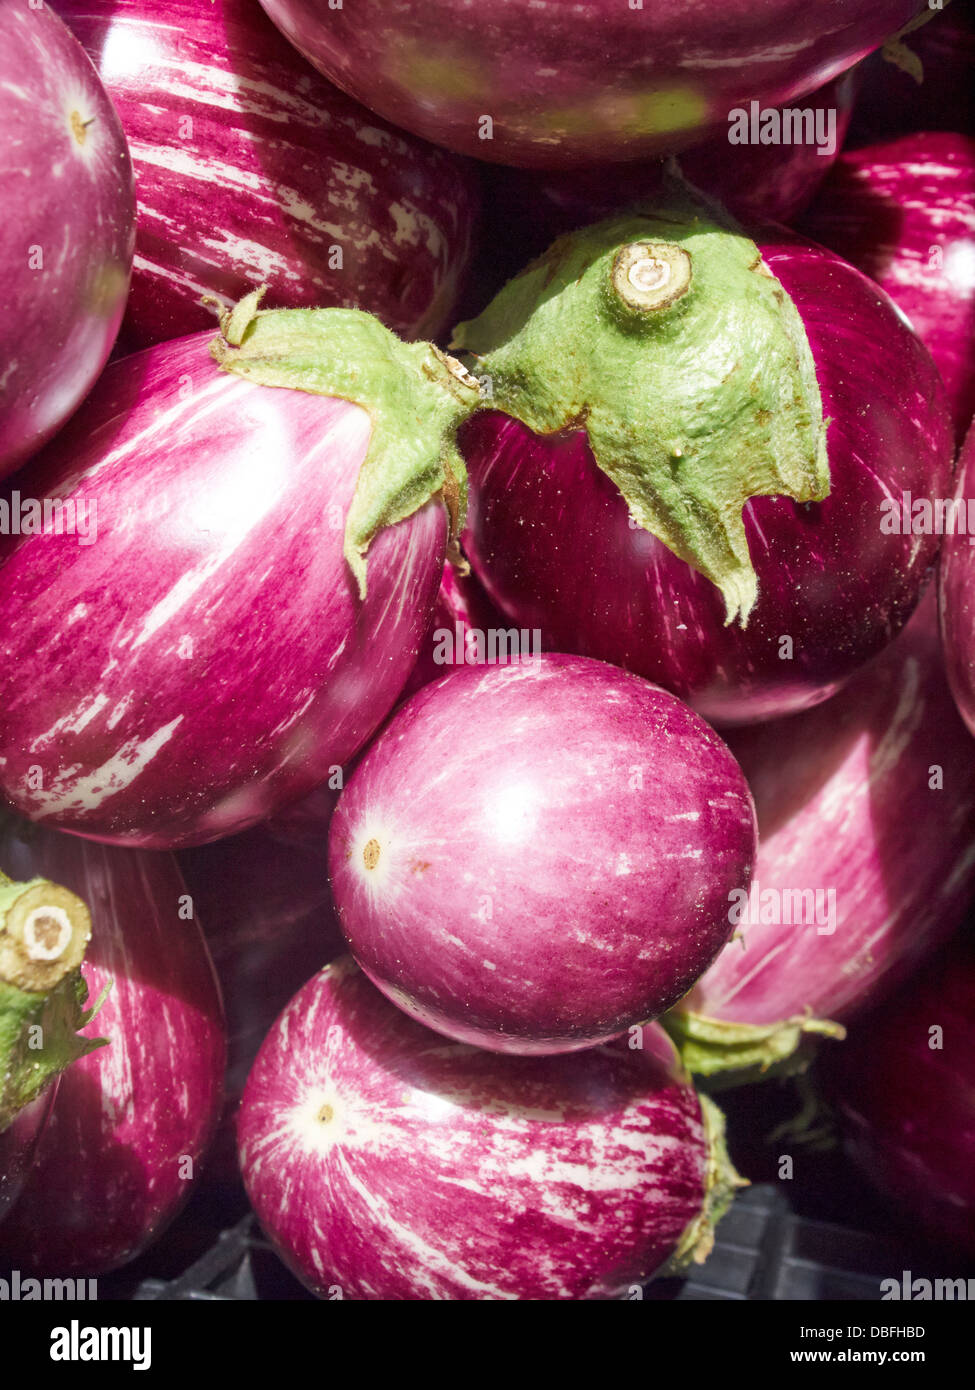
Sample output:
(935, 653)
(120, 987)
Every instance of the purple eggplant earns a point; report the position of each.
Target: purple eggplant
(957, 591)
(466, 629)
(266, 906)
(904, 1085)
(132, 1121)
(866, 860)
(203, 643)
(628, 495)
(67, 231)
(18, 1145)
(546, 87)
(904, 213)
(386, 1163)
(535, 857)
(251, 169)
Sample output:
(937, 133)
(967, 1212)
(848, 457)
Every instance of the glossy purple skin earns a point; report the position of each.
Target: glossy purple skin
(908, 1109)
(526, 209)
(957, 596)
(553, 845)
(446, 1172)
(67, 231)
(462, 609)
(845, 805)
(602, 81)
(251, 170)
(827, 577)
(132, 1121)
(266, 906)
(18, 1145)
(207, 659)
(904, 213)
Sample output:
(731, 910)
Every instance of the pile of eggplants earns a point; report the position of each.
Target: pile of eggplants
(523, 731)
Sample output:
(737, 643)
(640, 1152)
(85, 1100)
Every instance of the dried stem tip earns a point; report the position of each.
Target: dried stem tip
(648, 275)
(44, 931)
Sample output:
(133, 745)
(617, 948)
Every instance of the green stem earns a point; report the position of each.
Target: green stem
(416, 396)
(44, 932)
(662, 334)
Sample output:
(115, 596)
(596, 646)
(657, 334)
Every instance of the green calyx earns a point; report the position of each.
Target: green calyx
(39, 1038)
(416, 397)
(731, 1054)
(721, 1183)
(44, 932)
(665, 337)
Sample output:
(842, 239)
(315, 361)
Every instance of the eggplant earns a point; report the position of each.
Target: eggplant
(688, 467)
(543, 86)
(866, 862)
(253, 170)
(247, 596)
(132, 1121)
(386, 1163)
(67, 232)
(535, 857)
(903, 212)
(957, 587)
(904, 1087)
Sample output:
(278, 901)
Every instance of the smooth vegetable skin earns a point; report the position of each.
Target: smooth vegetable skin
(132, 1121)
(18, 1145)
(555, 543)
(546, 87)
(266, 907)
(201, 655)
(466, 628)
(957, 594)
(903, 211)
(251, 169)
(67, 230)
(386, 1163)
(866, 860)
(534, 857)
(904, 1084)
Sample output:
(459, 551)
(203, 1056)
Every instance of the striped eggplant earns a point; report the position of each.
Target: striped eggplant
(904, 212)
(132, 1121)
(202, 643)
(251, 169)
(67, 229)
(866, 861)
(546, 86)
(534, 857)
(695, 441)
(386, 1163)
